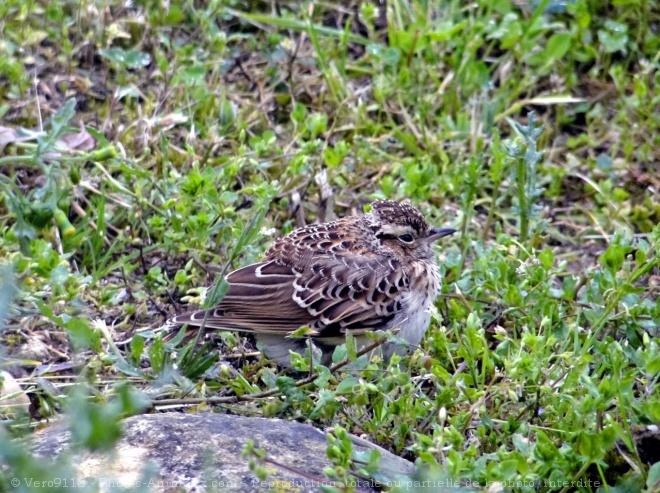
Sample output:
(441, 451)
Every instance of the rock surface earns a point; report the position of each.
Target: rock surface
(202, 453)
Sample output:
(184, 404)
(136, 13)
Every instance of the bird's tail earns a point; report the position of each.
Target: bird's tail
(176, 331)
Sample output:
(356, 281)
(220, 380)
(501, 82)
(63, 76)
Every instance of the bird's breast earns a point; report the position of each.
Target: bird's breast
(425, 282)
(413, 321)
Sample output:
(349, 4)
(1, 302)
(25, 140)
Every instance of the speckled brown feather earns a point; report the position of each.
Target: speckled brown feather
(353, 274)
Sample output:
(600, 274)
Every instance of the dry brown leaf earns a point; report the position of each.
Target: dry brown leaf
(81, 141)
(7, 136)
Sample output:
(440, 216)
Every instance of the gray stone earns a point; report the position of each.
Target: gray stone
(202, 453)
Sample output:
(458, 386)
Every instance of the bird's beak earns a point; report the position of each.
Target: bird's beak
(437, 233)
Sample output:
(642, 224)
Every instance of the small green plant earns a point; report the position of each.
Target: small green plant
(525, 172)
(49, 203)
(340, 450)
(256, 458)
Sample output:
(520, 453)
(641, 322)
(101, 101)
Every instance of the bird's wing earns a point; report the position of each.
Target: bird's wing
(350, 292)
(259, 299)
(330, 294)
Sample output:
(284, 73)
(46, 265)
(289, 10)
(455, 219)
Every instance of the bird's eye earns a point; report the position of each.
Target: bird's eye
(407, 238)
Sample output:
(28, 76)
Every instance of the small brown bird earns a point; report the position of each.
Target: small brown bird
(363, 273)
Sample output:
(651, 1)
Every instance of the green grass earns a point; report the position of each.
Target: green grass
(210, 130)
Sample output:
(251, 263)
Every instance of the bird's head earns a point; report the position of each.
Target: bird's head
(402, 230)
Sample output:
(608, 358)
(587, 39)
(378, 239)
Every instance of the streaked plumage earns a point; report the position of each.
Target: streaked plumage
(374, 271)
